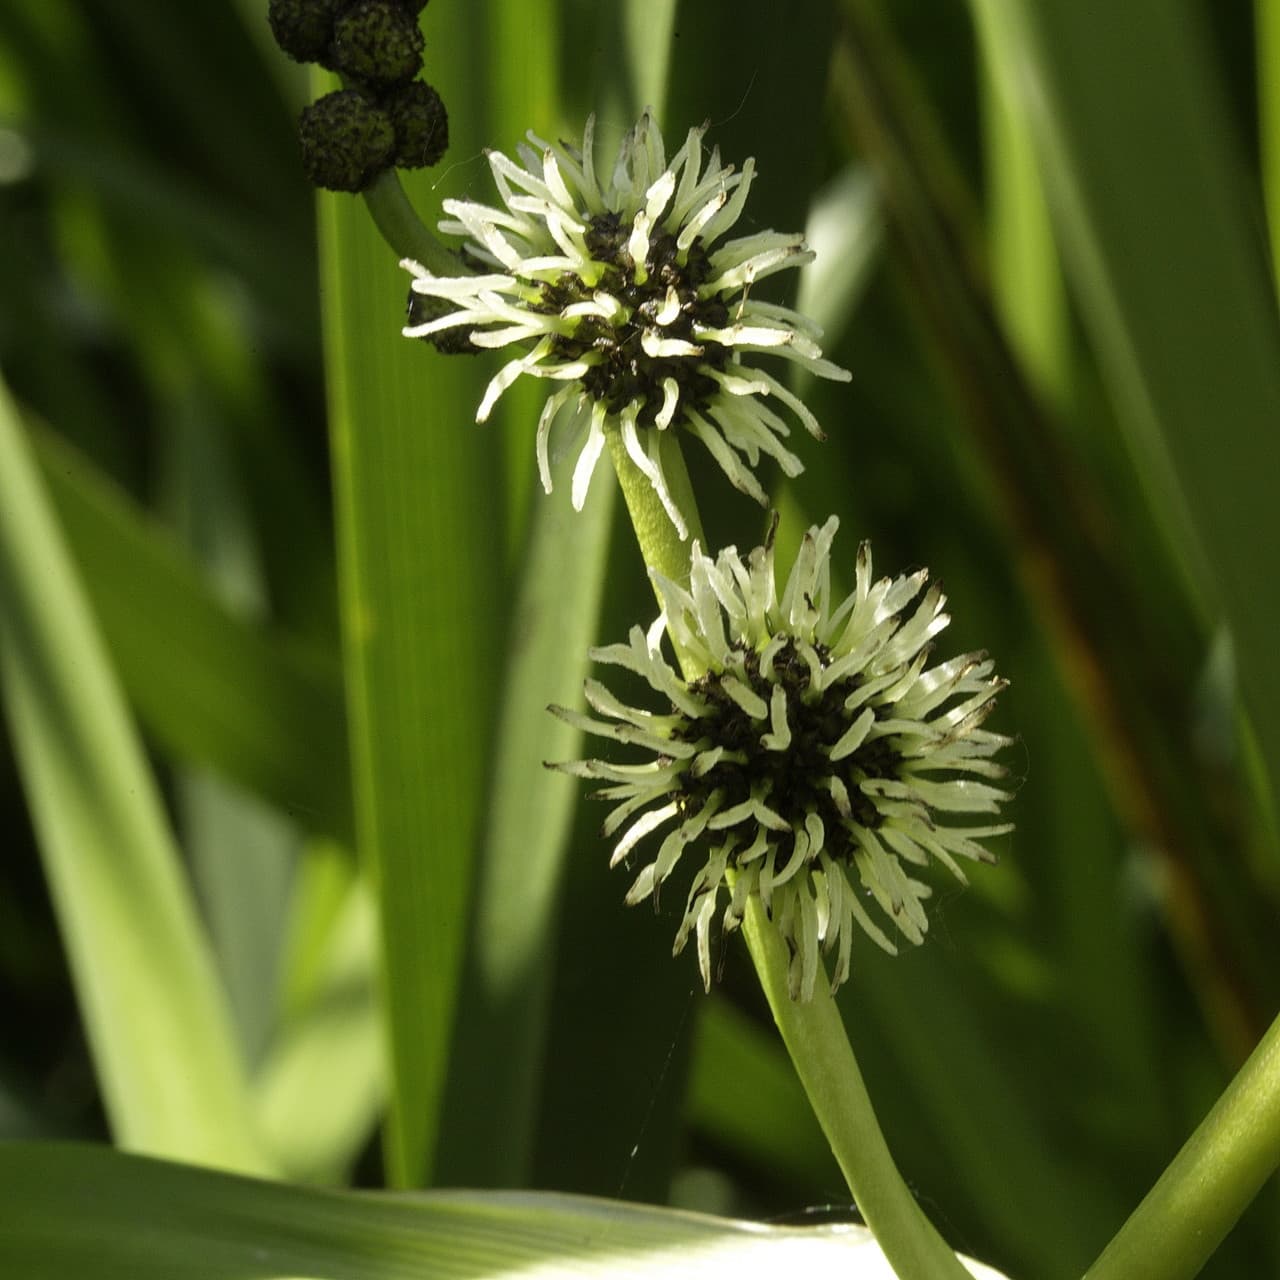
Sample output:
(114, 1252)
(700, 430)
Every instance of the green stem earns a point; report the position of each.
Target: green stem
(660, 544)
(814, 1034)
(1211, 1181)
(400, 226)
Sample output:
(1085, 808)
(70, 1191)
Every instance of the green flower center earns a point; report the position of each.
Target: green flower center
(793, 782)
(621, 372)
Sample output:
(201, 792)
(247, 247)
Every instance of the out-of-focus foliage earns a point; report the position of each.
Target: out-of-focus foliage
(1045, 301)
(271, 1229)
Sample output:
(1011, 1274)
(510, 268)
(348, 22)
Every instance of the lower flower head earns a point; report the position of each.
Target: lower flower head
(625, 294)
(817, 763)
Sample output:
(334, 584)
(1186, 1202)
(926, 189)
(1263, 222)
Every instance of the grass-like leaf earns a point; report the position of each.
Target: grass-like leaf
(321, 1088)
(155, 1016)
(423, 602)
(1026, 274)
(262, 710)
(497, 1066)
(146, 1220)
(1132, 131)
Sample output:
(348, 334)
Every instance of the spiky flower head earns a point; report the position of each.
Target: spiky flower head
(624, 291)
(816, 762)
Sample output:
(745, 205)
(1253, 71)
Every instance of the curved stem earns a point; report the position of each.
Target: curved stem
(814, 1034)
(660, 544)
(1211, 1181)
(400, 226)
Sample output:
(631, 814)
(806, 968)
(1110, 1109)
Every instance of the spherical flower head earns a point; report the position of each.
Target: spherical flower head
(625, 292)
(817, 762)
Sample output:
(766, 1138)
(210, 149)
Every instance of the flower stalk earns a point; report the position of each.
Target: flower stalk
(1210, 1183)
(402, 229)
(664, 551)
(819, 1047)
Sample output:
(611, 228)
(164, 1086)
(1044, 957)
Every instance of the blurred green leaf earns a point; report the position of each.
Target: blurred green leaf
(1025, 271)
(496, 1069)
(845, 232)
(1136, 146)
(648, 27)
(241, 851)
(163, 1046)
(744, 1095)
(242, 857)
(971, 1109)
(322, 1084)
(1082, 543)
(262, 709)
(1267, 17)
(144, 1220)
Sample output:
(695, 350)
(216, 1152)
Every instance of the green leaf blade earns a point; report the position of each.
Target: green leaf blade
(146, 1220)
(423, 605)
(154, 1013)
(261, 709)
(1133, 136)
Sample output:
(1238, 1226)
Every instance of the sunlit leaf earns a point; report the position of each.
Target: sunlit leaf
(163, 1045)
(144, 1220)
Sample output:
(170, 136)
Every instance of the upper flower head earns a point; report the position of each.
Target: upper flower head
(818, 758)
(626, 292)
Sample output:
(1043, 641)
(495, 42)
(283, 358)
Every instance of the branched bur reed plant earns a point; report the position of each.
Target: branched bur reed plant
(801, 760)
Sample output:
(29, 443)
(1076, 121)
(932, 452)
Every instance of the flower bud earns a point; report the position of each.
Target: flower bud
(421, 124)
(303, 28)
(346, 141)
(378, 42)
